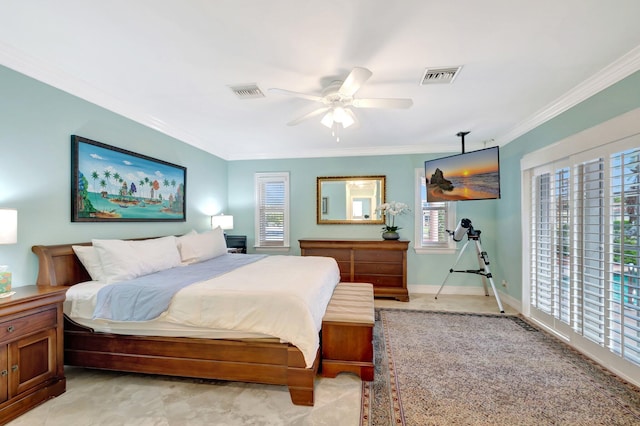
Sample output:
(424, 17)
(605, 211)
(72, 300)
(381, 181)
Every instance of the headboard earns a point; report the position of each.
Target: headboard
(59, 266)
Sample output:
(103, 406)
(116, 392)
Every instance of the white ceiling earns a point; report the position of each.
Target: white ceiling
(169, 64)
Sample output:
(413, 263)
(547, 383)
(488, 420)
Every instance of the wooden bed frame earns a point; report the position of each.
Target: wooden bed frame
(258, 361)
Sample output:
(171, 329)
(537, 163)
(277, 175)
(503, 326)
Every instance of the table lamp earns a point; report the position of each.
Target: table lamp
(223, 221)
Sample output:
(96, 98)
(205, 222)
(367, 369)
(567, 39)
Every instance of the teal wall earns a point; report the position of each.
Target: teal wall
(36, 122)
(400, 174)
(611, 102)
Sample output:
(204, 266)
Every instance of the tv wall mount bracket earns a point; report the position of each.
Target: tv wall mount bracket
(461, 135)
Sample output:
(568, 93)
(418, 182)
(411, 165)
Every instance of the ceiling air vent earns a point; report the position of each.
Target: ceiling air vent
(247, 91)
(440, 75)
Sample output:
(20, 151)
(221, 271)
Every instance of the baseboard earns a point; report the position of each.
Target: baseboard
(465, 291)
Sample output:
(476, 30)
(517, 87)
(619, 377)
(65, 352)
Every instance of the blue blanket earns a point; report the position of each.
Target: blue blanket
(146, 297)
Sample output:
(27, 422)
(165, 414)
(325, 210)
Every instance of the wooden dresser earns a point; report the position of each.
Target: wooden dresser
(31, 351)
(379, 262)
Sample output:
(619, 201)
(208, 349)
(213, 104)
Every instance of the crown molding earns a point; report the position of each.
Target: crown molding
(48, 74)
(44, 72)
(611, 74)
(346, 152)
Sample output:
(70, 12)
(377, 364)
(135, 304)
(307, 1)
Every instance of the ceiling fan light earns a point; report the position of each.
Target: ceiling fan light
(327, 120)
(339, 114)
(347, 120)
(343, 116)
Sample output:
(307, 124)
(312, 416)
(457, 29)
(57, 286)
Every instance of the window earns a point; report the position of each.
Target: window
(432, 221)
(272, 210)
(581, 254)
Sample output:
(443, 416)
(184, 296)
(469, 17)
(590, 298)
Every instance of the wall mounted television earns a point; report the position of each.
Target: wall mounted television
(472, 175)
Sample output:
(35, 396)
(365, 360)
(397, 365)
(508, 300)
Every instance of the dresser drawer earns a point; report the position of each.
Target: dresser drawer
(341, 255)
(379, 262)
(28, 324)
(379, 280)
(378, 256)
(378, 268)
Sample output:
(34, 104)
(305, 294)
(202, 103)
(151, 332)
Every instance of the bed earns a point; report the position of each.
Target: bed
(259, 357)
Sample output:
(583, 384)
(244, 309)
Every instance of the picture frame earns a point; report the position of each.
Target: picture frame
(110, 184)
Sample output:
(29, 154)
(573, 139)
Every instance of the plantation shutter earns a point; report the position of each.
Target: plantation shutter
(584, 249)
(589, 257)
(272, 209)
(434, 223)
(432, 219)
(541, 244)
(624, 255)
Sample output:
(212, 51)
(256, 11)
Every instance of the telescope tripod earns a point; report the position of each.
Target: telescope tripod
(483, 263)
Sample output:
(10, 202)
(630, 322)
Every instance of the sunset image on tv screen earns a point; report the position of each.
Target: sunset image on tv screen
(470, 176)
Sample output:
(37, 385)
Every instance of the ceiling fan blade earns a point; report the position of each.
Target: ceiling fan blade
(354, 81)
(296, 94)
(382, 103)
(312, 114)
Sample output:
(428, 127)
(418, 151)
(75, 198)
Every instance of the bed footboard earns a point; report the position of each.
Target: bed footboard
(256, 361)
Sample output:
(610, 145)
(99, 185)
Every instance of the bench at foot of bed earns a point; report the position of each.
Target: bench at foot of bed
(347, 331)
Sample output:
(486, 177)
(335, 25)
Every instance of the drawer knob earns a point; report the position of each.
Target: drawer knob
(3, 373)
(14, 367)
(10, 329)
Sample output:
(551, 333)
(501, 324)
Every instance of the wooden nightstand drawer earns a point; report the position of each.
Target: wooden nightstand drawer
(31, 351)
(22, 326)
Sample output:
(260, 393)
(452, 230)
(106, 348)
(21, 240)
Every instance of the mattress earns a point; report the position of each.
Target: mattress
(283, 297)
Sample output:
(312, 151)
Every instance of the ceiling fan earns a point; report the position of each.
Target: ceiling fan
(338, 100)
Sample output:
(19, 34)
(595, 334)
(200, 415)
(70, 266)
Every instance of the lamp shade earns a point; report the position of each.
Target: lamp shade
(223, 221)
(8, 226)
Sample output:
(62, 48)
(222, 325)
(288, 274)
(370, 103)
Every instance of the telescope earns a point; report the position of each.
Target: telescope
(473, 235)
(464, 227)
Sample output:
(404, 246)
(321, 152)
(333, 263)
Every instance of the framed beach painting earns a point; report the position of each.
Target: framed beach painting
(110, 184)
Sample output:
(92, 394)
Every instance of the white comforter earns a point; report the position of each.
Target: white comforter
(280, 296)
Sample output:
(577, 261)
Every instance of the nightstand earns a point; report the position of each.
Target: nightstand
(236, 243)
(31, 349)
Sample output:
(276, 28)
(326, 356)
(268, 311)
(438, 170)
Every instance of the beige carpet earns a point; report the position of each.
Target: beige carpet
(104, 398)
(468, 369)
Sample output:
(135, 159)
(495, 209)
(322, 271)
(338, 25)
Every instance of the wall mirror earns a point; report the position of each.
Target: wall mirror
(350, 199)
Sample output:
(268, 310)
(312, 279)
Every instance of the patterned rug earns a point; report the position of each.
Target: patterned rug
(435, 368)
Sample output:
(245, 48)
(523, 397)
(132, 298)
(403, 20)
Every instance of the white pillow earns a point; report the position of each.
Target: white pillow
(90, 260)
(124, 260)
(119, 260)
(181, 238)
(157, 254)
(199, 247)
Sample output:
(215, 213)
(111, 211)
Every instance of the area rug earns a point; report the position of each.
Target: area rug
(435, 368)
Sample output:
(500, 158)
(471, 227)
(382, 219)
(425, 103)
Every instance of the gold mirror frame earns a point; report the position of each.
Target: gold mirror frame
(350, 199)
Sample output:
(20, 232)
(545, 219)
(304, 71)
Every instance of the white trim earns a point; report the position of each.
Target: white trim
(284, 249)
(45, 72)
(434, 250)
(610, 131)
(617, 134)
(611, 74)
(259, 178)
(525, 227)
(451, 246)
(55, 77)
